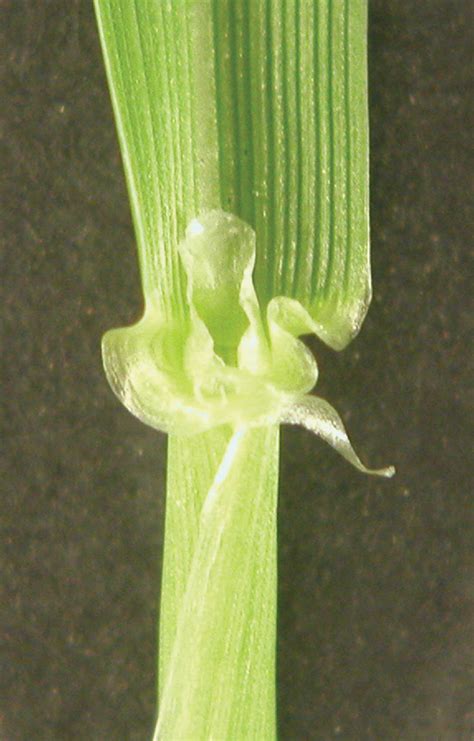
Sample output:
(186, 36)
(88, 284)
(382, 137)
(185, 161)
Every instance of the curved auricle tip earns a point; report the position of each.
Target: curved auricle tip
(319, 417)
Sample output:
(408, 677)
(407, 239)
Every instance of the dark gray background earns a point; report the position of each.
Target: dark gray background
(376, 579)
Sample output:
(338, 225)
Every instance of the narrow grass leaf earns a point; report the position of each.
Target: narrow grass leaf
(291, 86)
(259, 108)
(255, 109)
(161, 79)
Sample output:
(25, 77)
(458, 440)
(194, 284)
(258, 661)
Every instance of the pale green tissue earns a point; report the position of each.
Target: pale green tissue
(233, 362)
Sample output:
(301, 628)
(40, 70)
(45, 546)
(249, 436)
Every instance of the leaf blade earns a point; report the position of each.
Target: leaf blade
(162, 92)
(259, 109)
(308, 138)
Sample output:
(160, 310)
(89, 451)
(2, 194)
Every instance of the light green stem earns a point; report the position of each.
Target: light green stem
(187, 486)
(218, 618)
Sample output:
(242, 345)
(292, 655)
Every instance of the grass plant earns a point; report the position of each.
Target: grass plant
(243, 131)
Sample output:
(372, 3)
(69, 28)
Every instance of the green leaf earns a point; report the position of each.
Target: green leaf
(291, 88)
(250, 114)
(161, 79)
(258, 108)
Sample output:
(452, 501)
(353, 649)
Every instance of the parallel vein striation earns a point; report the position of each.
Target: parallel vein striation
(163, 93)
(301, 149)
(257, 107)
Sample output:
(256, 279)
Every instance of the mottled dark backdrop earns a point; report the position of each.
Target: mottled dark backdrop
(376, 578)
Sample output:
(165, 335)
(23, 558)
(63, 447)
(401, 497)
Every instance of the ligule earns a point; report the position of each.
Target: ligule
(234, 363)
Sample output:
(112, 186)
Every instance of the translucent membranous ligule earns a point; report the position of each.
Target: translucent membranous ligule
(231, 362)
